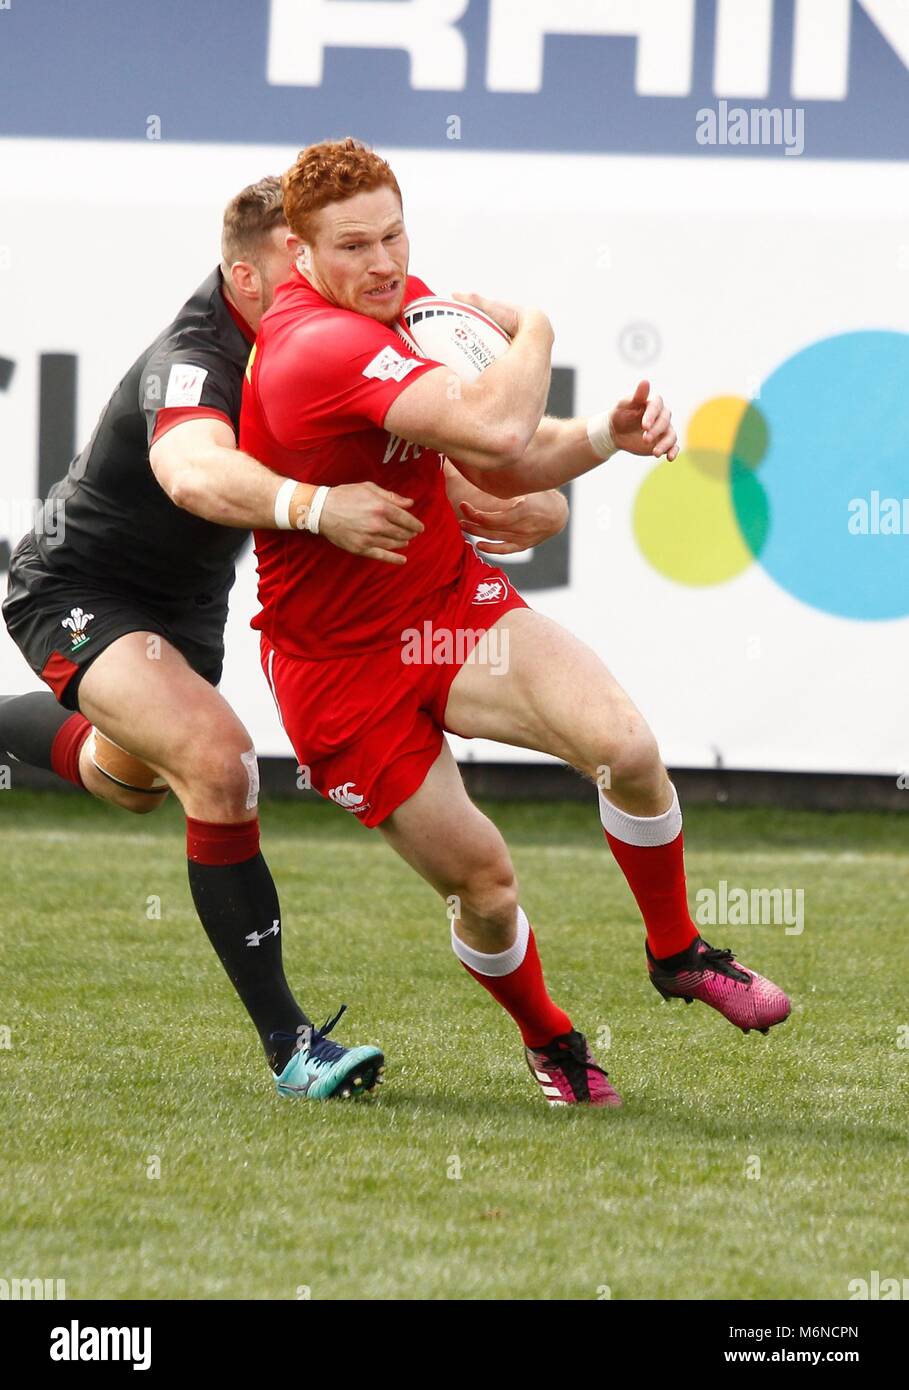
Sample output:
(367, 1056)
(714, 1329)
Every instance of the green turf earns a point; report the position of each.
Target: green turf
(127, 1043)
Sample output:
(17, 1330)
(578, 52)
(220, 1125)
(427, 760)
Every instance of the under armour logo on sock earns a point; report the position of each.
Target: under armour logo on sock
(255, 937)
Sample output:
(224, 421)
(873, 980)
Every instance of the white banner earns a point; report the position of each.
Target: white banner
(753, 596)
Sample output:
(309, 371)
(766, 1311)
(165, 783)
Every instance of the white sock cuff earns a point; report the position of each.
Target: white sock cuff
(647, 831)
(503, 962)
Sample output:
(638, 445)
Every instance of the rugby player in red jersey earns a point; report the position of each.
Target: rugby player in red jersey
(332, 394)
(121, 611)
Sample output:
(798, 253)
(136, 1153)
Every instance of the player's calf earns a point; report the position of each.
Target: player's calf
(36, 730)
(178, 721)
(493, 940)
(114, 775)
(461, 853)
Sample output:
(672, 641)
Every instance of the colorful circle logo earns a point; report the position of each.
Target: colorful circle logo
(810, 481)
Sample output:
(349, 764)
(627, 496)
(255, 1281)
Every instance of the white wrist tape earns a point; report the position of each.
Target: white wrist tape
(282, 504)
(315, 509)
(599, 432)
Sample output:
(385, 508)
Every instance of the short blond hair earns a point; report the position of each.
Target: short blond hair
(249, 217)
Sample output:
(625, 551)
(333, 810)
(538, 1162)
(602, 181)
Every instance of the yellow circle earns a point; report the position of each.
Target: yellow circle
(684, 520)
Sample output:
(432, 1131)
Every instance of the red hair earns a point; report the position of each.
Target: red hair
(329, 173)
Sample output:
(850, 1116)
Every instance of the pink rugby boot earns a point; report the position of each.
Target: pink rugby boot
(716, 978)
(568, 1073)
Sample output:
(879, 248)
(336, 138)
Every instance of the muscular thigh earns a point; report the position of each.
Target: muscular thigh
(550, 692)
(142, 693)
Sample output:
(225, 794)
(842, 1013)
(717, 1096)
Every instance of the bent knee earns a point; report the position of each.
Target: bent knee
(223, 774)
(490, 890)
(634, 757)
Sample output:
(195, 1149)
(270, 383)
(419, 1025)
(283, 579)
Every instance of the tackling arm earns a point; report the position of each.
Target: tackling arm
(518, 524)
(199, 466)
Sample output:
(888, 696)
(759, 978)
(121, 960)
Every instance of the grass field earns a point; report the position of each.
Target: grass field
(126, 1043)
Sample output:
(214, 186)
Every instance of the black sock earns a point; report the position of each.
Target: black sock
(238, 906)
(28, 726)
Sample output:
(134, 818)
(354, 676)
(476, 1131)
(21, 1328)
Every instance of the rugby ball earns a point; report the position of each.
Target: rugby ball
(457, 335)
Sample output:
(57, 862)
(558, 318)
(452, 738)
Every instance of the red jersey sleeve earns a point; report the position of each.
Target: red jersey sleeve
(334, 374)
(174, 415)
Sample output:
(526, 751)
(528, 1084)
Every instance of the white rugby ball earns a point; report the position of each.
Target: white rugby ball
(457, 335)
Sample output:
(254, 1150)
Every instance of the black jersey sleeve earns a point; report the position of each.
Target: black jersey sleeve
(186, 378)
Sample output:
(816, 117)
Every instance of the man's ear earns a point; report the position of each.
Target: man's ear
(303, 259)
(244, 278)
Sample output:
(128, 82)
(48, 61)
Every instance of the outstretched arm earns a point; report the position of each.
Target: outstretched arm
(564, 449)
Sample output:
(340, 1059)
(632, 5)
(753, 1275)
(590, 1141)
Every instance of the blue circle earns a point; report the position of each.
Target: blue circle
(838, 422)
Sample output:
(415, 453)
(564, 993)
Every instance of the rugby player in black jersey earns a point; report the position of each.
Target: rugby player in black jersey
(121, 611)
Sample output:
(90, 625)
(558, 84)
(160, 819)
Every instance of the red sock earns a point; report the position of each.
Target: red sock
(522, 991)
(216, 843)
(650, 853)
(67, 746)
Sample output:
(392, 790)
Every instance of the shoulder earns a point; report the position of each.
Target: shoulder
(322, 337)
(416, 289)
(183, 368)
(202, 331)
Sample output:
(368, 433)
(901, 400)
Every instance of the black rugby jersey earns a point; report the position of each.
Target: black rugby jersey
(119, 526)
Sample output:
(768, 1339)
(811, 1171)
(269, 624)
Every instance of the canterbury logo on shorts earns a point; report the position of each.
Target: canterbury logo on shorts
(347, 796)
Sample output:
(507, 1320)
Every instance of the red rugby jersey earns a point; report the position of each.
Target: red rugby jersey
(320, 384)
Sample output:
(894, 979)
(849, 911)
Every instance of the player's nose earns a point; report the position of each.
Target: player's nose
(382, 266)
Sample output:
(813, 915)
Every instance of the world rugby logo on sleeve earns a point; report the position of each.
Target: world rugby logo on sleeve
(184, 384)
(389, 365)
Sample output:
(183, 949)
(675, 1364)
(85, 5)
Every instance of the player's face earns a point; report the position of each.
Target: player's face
(359, 256)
